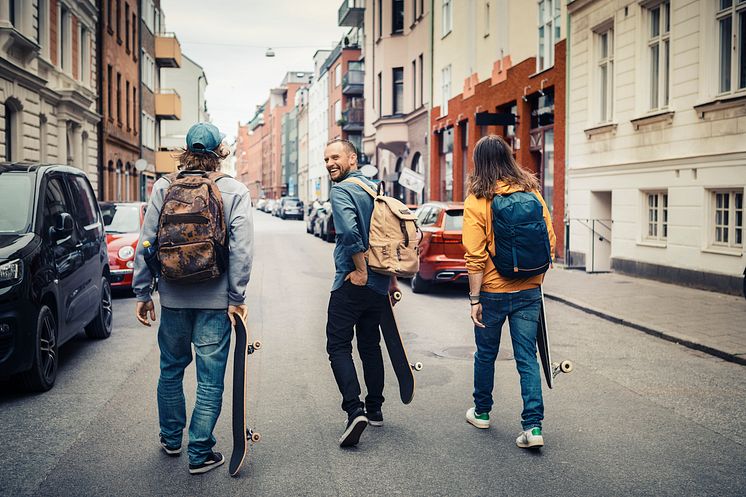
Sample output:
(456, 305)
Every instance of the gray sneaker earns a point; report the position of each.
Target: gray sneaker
(214, 460)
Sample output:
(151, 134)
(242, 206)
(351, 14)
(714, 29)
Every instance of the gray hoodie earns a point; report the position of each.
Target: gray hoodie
(230, 287)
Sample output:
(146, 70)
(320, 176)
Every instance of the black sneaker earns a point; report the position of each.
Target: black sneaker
(375, 418)
(171, 451)
(356, 423)
(214, 460)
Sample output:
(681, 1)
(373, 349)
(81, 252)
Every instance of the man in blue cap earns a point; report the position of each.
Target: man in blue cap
(195, 311)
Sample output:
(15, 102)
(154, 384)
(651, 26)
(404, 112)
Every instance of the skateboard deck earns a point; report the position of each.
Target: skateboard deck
(551, 369)
(402, 367)
(241, 434)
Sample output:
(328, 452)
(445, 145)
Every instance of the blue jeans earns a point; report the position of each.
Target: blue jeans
(522, 310)
(210, 332)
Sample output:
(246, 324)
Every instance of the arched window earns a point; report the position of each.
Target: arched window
(127, 182)
(43, 138)
(13, 129)
(84, 151)
(119, 181)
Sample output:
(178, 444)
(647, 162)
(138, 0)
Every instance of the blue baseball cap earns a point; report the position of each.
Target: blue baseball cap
(204, 138)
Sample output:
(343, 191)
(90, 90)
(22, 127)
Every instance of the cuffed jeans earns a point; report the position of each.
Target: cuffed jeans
(209, 331)
(522, 310)
(360, 308)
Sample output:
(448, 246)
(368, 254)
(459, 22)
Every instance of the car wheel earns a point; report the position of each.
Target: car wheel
(100, 327)
(43, 372)
(419, 285)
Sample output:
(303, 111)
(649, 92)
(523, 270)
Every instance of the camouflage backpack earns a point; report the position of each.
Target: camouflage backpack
(192, 236)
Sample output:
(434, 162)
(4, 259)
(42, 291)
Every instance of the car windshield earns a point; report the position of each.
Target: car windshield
(121, 218)
(454, 220)
(16, 195)
(292, 203)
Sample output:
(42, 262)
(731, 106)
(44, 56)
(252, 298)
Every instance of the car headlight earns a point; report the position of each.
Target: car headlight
(126, 253)
(11, 272)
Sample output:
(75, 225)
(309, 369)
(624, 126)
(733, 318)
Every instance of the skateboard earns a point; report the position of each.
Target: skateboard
(551, 369)
(241, 434)
(398, 355)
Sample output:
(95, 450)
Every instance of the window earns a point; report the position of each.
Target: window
(337, 111)
(13, 128)
(549, 32)
(380, 93)
(119, 22)
(134, 36)
(380, 18)
(119, 98)
(109, 81)
(656, 210)
(85, 56)
(547, 169)
(127, 104)
(422, 81)
(605, 74)
(42, 33)
(397, 75)
(110, 4)
(731, 45)
(55, 202)
(134, 108)
(447, 25)
(64, 42)
(85, 207)
(147, 128)
(43, 138)
(728, 210)
(338, 75)
(445, 89)
(12, 15)
(414, 85)
(127, 26)
(446, 164)
(397, 16)
(148, 70)
(659, 50)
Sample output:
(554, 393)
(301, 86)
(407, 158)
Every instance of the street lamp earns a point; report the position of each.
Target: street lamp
(269, 53)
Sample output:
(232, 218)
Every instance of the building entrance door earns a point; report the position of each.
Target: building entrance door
(599, 247)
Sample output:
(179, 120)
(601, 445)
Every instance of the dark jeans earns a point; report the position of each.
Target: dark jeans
(360, 308)
(522, 311)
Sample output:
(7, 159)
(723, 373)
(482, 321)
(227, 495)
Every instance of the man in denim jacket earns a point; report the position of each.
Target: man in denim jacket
(358, 295)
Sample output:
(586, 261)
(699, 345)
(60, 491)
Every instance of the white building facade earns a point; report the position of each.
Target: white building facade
(318, 130)
(190, 83)
(656, 161)
(48, 83)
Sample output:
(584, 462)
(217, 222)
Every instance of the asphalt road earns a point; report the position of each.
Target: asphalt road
(638, 416)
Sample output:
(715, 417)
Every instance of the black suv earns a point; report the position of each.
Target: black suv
(53, 269)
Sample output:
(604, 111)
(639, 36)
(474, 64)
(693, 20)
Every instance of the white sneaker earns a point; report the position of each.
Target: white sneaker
(529, 439)
(478, 420)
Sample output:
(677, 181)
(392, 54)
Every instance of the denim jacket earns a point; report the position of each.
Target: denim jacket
(352, 208)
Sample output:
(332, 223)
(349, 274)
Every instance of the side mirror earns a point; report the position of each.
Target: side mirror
(63, 226)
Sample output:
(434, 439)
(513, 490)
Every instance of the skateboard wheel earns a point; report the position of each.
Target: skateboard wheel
(396, 296)
(566, 366)
(256, 437)
(417, 366)
(257, 345)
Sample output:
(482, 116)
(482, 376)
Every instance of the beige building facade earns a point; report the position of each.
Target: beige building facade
(48, 92)
(396, 56)
(656, 125)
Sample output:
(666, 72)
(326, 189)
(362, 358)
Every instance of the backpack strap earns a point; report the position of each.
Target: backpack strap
(362, 184)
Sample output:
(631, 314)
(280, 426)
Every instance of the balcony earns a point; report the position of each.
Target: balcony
(352, 82)
(167, 50)
(351, 13)
(353, 119)
(166, 161)
(167, 105)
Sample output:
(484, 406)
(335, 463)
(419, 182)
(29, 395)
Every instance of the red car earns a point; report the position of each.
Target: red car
(122, 222)
(441, 250)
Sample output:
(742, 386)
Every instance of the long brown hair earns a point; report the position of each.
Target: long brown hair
(190, 161)
(493, 161)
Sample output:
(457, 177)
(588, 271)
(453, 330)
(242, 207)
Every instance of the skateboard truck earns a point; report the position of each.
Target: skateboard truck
(253, 347)
(417, 366)
(561, 367)
(253, 436)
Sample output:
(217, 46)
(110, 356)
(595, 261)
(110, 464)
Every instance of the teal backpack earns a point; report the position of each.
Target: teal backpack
(521, 238)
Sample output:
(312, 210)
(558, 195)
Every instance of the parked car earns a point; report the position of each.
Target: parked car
(313, 212)
(260, 204)
(440, 248)
(54, 269)
(122, 222)
(318, 224)
(326, 226)
(276, 208)
(270, 206)
(291, 207)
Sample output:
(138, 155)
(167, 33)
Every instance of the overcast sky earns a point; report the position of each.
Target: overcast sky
(229, 38)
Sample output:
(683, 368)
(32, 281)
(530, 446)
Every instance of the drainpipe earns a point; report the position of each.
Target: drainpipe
(567, 133)
(141, 176)
(428, 150)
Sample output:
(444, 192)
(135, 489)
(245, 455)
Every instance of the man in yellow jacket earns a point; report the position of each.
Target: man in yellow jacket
(495, 297)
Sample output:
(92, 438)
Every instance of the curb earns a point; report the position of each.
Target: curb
(650, 331)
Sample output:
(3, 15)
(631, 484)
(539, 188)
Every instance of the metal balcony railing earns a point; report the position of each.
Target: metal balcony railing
(351, 13)
(352, 82)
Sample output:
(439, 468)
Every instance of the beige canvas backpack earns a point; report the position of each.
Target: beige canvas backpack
(393, 238)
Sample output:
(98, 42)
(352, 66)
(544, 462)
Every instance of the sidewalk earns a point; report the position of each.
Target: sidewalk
(710, 322)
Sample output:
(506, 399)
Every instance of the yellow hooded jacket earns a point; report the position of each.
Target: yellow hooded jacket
(478, 239)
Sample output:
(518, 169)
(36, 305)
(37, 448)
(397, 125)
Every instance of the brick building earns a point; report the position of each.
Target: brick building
(119, 102)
